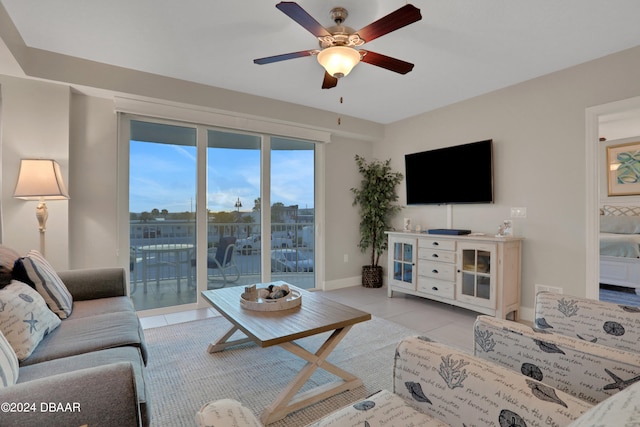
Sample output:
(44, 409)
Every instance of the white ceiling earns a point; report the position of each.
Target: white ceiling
(460, 48)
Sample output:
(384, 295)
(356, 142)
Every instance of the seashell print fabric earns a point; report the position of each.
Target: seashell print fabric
(381, 409)
(620, 410)
(586, 370)
(604, 323)
(461, 389)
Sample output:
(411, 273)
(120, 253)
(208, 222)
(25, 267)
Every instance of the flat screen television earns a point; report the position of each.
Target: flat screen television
(450, 175)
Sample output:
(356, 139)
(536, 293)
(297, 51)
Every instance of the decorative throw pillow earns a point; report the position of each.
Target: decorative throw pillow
(24, 318)
(621, 210)
(620, 224)
(225, 413)
(8, 363)
(7, 258)
(48, 284)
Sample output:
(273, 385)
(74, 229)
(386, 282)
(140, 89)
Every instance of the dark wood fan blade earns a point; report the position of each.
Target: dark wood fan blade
(329, 81)
(407, 14)
(387, 62)
(283, 57)
(298, 14)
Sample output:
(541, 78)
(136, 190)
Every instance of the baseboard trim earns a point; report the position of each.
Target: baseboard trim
(347, 282)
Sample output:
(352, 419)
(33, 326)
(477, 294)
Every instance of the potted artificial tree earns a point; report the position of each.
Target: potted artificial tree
(375, 197)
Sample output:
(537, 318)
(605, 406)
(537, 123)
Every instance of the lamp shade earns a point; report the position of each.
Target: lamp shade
(339, 60)
(40, 179)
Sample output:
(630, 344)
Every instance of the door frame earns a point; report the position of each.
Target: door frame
(592, 190)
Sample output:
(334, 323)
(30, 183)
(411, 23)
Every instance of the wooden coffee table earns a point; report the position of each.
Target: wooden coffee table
(315, 315)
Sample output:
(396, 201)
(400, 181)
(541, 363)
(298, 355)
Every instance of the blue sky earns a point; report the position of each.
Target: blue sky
(163, 176)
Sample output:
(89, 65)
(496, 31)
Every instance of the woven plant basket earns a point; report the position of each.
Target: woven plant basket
(372, 276)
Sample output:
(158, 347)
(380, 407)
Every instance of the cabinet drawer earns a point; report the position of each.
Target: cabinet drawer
(437, 270)
(437, 287)
(445, 245)
(437, 255)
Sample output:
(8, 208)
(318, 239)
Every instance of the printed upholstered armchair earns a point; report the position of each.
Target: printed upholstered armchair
(584, 347)
(437, 386)
(612, 325)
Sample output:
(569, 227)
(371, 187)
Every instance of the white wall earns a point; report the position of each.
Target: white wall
(538, 128)
(92, 181)
(342, 219)
(35, 125)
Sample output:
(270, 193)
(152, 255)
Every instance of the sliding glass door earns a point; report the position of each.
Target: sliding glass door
(233, 200)
(197, 218)
(162, 219)
(292, 211)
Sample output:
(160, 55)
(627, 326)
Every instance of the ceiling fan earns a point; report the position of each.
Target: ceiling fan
(338, 54)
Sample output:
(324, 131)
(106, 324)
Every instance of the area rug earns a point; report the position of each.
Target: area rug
(183, 376)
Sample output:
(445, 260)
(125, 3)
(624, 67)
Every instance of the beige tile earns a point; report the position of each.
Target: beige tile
(188, 316)
(153, 322)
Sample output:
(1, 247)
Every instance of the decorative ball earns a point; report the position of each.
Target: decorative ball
(278, 294)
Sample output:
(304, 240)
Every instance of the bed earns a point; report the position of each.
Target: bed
(620, 247)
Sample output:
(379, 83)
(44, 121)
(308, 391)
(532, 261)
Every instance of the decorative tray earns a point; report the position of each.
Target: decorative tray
(262, 299)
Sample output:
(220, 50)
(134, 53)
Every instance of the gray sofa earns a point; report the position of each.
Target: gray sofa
(91, 369)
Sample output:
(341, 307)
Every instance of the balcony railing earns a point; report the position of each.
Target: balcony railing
(162, 258)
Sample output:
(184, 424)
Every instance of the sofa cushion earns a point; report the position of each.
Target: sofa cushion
(601, 322)
(100, 396)
(458, 388)
(584, 369)
(94, 307)
(48, 284)
(8, 363)
(91, 360)
(8, 258)
(381, 409)
(225, 413)
(25, 318)
(84, 335)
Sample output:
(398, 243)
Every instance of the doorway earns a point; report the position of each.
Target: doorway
(614, 120)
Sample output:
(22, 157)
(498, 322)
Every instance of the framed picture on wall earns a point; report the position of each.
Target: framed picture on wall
(623, 169)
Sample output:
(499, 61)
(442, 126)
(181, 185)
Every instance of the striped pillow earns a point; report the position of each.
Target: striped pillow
(48, 284)
(8, 363)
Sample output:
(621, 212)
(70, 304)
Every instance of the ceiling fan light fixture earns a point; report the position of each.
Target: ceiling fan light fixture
(338, 61)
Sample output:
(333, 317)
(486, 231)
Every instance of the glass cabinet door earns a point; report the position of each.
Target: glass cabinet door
(403, 254)
(476, 276)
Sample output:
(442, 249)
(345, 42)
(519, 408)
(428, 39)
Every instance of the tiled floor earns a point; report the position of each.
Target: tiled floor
(441, 322)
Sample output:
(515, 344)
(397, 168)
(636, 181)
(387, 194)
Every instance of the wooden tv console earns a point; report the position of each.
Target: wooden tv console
(477, 272)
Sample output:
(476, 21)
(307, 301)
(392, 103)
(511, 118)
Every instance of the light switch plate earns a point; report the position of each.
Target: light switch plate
(518, 212)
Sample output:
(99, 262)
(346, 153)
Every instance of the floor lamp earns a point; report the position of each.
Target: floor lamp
(40, 179)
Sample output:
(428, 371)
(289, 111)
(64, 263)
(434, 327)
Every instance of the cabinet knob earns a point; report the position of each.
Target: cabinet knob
(435, 243)
(435, 288)
(434, 271)
(434, 256)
